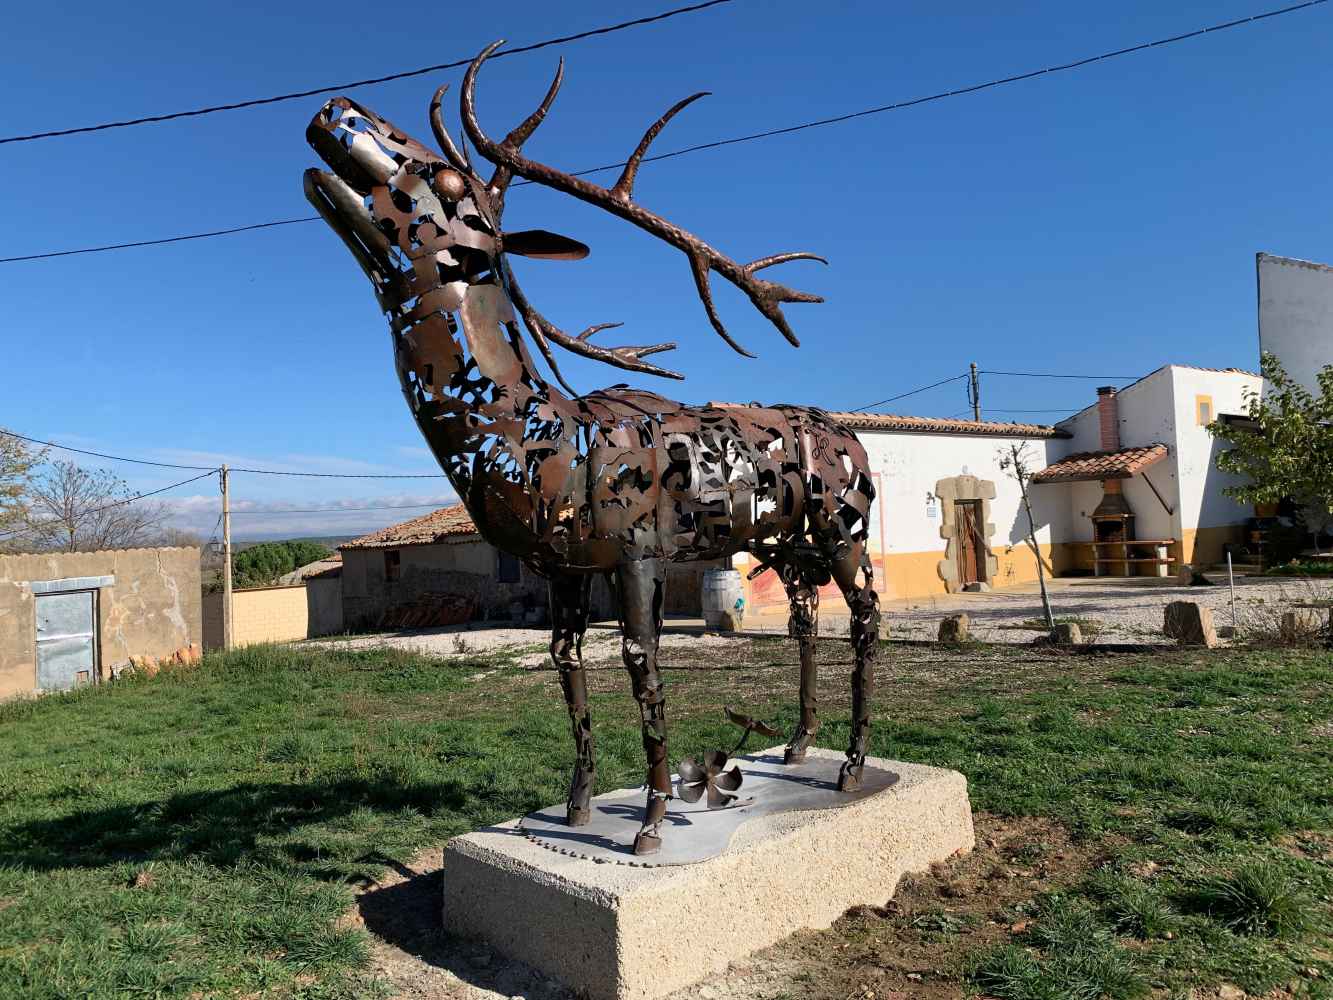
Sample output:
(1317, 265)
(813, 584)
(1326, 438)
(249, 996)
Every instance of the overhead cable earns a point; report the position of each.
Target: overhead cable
(97, 510)
(295, 95)
(913, 392)
(751, 137)
(209, 468)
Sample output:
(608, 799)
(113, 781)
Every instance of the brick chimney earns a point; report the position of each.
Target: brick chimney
(1108, 415)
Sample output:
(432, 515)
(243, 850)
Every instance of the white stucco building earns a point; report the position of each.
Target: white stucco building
(1296, 315)
(947, 515)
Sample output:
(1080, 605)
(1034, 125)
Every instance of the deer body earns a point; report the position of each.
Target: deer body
(619, 481)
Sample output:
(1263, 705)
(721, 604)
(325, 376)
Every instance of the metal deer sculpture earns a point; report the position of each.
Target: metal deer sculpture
(618, 482)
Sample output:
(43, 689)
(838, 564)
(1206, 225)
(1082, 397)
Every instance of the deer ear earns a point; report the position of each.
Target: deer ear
(543, 245)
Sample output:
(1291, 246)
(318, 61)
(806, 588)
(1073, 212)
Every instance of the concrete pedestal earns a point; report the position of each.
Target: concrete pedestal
(612, 932)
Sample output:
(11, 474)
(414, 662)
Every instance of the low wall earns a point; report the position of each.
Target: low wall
(275, 614)
(148, 604)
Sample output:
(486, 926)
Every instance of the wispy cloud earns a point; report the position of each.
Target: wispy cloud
(301, 518)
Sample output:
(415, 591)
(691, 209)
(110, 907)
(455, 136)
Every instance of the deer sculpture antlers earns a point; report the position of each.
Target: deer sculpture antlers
(509, 162)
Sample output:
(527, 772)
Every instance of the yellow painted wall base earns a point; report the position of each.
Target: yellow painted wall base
(1204, 546)
(905, 575)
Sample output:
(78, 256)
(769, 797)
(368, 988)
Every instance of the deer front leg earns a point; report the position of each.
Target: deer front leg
(569, 621)
(640, 586)
(856, 580)
(803, 626)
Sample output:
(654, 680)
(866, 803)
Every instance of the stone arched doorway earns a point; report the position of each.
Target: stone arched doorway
(966, 528)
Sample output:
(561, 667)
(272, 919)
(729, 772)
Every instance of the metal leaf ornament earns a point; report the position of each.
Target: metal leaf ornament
(750, 725)
(721, 785)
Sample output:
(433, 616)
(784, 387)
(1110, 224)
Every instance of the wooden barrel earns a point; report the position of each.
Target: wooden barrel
(723, 599)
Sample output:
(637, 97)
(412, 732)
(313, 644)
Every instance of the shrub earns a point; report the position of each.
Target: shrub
(1255, 898)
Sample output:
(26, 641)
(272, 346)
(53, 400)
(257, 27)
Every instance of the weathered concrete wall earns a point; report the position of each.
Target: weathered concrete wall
(152, 609)
(324, 605)
(213, 621)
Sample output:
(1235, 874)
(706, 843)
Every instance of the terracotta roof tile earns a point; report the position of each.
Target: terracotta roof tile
(934, 425)
(1097, 465)
(447, 522)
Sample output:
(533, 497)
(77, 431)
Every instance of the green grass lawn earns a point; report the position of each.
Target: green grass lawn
(200, 833)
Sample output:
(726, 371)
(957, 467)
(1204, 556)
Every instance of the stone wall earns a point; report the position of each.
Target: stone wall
(152, 608)
(470, 568)
(465, 568)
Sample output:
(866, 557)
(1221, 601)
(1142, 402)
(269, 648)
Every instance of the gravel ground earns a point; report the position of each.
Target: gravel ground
(601, 645)
(1120, 611)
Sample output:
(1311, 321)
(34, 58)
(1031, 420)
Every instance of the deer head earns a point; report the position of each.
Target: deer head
(426, 229)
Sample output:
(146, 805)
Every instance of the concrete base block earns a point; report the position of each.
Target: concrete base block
(613, 932)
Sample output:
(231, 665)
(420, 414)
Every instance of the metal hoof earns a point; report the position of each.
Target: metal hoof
(647, 843)
(849, 778)
(796, 749)
(578, 815)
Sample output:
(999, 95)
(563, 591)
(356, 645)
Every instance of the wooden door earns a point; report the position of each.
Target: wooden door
(971, 546)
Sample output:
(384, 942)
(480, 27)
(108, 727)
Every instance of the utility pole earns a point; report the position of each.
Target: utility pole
(976, 394)
(226, 560)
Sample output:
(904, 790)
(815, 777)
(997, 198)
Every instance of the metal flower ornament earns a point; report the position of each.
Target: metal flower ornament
(618, 482)
(711, 777)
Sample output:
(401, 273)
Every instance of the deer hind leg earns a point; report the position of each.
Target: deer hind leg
(853, 573)
(803, 626)
(570, 601)
(640, 586)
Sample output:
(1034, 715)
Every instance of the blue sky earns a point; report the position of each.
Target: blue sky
(1102, 221)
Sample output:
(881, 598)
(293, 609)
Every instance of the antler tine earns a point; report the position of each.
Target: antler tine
(624, 187)
(513, 142)
(767, 296)
(699, 266)
(630, 358)
(457, 158)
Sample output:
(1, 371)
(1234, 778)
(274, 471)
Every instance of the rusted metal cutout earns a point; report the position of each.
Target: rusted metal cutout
(620, 481)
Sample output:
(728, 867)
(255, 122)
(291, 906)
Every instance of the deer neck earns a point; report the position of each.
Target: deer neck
(474, 389)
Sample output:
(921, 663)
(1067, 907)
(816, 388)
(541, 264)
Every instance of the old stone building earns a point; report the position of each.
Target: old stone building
(441, 558)
(69, 618)
(433, 558)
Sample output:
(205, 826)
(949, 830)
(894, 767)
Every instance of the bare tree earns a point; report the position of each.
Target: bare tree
(84, 510)
(1016, 461)
(17, 462)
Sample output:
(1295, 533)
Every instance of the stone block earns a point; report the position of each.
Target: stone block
(616, 932)
(1301, 624)
(1067, 634)
(956, 628)
(1190, 624)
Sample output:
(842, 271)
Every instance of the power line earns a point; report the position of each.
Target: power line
(295, 95)
(717, 144)
(913, 392)
(153, 243)
(337, 510)
(119, 503)
(1107, 378)
(99, 454)
(339, 475)
(209, 468)
(1053, 409)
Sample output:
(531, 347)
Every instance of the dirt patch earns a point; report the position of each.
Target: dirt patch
(916, 946)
